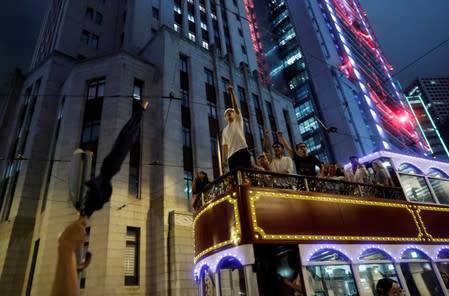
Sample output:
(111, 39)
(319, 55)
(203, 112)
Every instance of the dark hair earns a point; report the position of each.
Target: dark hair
(277, 143)
(198, 184)
(353, 157)
(302, 143)
(383, 286)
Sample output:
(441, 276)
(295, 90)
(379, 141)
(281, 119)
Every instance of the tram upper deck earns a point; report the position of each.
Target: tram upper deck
(247, 214)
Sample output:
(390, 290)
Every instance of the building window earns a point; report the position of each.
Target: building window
(241, 94)
(205, 45)
(155, 12)
(98, 18)
(89, 15)
(256, 102)
(95, 89)
(137, 92)
(188, 185)
(304, 110)
(85, 37)
(185, 98)
(132, 256)
(94, 41)
(212, 110)
(135, 148)
(183, 64)
(209, 76)
(92, 118)
(192, 37)
(186, 139)
(308, 125)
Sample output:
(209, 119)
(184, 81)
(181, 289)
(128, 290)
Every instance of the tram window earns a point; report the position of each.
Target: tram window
(436, 173)
(416, 189)
(331, 280)
(443, 268)
(371, 273)
(421, 279)
(409, 169)
(441, 189)
(443, 254)
(232, 278)
(207, 282)
(279, 270)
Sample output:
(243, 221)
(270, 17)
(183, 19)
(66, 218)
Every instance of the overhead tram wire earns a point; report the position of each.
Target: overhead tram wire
(421, 57)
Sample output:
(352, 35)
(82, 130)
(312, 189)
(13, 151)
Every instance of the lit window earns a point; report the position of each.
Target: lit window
(132, 256)
(191, 18)
(205, 45)
(203, 26)
(177, 28)
(192, 37)
(187, 185)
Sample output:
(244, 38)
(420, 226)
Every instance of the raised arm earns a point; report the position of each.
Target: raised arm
(233, 99)
(224, 157)
(284, 142)
(66, 278)
(266, 141)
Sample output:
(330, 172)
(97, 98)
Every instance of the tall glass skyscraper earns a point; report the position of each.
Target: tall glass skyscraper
(324, 54)
(285, 66)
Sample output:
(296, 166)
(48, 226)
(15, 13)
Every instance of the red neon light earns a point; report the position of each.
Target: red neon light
(257, 45)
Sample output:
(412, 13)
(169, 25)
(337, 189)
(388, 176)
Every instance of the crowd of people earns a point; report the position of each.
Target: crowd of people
(235, 154)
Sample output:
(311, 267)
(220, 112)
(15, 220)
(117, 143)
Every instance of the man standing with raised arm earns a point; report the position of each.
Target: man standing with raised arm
(235, 150)
(279, 163)
(305, 164)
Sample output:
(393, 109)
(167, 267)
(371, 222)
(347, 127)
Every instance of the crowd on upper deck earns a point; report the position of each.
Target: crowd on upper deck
(235, 155)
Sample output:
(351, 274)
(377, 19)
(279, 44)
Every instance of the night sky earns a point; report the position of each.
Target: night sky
(406, 29)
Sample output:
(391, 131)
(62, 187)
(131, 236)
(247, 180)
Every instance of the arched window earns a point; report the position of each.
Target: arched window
(437, 173)
(232, 277)
(443, 254)
(330, 273)
(377, 264)
(414, 184)
(409, 169)
(440, 184)
(419, 274)
(328, 254)
(207, 281)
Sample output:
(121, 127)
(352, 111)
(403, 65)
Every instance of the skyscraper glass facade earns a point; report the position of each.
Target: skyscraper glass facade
(288, 72)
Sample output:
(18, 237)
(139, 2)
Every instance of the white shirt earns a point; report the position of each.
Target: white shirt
(282, 165)
(233, 135)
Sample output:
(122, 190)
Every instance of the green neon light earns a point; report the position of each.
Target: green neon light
(431, 122)
(419, 124)
(434, 126)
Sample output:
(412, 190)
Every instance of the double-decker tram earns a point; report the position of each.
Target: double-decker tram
(260, 233)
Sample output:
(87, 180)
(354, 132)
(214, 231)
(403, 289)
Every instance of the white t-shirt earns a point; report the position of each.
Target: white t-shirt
(233, 135)
(282, 165)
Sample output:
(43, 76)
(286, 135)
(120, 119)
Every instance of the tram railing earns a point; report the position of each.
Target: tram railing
(265, 179)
